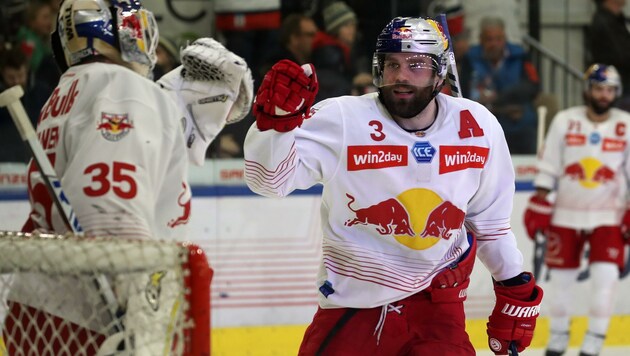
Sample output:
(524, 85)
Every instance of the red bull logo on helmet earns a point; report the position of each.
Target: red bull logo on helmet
(417, 218)
(402, 33)
(114, 127)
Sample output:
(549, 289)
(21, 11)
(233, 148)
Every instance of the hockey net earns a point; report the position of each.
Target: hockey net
(68, 295)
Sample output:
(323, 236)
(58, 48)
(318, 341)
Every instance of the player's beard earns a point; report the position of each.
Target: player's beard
(405, 108)
(600, 107)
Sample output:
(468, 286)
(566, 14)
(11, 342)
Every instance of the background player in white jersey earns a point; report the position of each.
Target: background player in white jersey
(585, 161)
(118, 142)
(409, 175)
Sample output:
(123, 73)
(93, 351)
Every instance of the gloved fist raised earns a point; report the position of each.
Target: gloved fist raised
(285, 96)
(513, 318)
(537, 215)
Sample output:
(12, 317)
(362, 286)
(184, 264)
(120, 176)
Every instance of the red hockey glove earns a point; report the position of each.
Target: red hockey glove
(514, 316)
(625, 226)
(285, 96)
(451, 285)
(537, 215)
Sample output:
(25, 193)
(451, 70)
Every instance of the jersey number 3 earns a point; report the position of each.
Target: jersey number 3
(120, 182)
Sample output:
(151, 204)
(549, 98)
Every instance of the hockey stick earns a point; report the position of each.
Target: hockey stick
(512, 351)
(10, 99)
(540, 240)
(451, 66)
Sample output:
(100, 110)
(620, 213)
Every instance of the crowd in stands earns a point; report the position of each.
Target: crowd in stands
(336, 36)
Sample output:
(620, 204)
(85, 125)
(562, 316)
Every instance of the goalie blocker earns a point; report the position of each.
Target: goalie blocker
(162, 290)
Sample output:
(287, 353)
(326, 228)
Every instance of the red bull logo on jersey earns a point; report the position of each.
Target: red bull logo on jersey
(376, 157)
(417, 218)
(457, 158)
(589, 172)
(114, 127)
(388, 217)
(184, 202)
(444, 221)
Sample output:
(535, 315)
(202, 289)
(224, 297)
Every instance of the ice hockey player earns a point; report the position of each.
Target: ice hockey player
(585, 163)
(416, 184)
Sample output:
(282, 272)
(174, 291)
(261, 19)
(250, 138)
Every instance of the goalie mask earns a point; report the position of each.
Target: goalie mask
(120, 30)
(421, 41)
(604, 75)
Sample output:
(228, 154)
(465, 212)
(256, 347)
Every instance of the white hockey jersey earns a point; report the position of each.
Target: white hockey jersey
(396, 206)
(116, 143)
(587, 164)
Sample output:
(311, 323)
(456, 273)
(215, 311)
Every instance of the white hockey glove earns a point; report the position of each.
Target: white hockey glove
(213, 87)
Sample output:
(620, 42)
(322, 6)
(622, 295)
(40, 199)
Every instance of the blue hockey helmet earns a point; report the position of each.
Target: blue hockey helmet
(411, 35)
(603, 74)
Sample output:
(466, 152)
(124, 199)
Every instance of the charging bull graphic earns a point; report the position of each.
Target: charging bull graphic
(603, 174)
(184, 202)
(589, 172)
(574, 171)
(444, 221)
(389, 216)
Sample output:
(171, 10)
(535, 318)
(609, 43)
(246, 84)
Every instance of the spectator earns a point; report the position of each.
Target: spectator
(167, 57)
(334, 53)
(477, 10)
(296, 42)
(460, 35)
(14, 71)
(499, 75)
(609, 42)
(34, 36)
(585, 160)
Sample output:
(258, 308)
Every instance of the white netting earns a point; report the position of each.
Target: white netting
(66, 295)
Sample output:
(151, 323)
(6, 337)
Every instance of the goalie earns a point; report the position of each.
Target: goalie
(118, 143)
